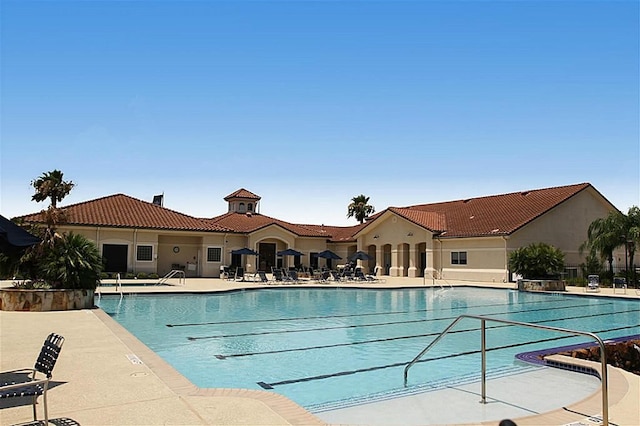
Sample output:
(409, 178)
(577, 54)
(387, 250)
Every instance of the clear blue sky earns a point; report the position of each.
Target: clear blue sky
(310, 103)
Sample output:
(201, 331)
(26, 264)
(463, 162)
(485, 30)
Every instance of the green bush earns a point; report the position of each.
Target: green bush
(71, 261)
(142, 275)
(129, 275)
(537, 261)
(154, 276)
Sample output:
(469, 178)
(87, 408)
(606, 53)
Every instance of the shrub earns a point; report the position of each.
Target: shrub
(537, 261)
(154, 276)
(71, 261)
(130, 275)
(142, 275)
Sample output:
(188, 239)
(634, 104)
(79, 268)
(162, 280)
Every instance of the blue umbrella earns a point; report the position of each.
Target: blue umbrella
(245, 251)
(360, 255)
(328, 254)
(14, 237)
(289, 252)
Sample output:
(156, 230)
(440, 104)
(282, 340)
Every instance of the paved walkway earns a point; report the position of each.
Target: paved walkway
(100, 380)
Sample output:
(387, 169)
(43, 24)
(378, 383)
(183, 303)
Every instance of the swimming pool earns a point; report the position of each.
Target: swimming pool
(334, 347)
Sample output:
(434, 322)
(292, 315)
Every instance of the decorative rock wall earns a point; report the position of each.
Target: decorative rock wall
(18, 299)
(541, 285)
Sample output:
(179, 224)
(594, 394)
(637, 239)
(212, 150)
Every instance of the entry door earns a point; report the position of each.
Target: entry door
(267, 256)
(115, 257)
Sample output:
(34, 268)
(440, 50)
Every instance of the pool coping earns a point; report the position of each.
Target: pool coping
(21, 337)
(580, 411)
(281, 405)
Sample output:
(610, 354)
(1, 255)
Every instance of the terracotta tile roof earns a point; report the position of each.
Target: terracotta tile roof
(122, 211)
(251, 222)
(338, 234)
(242, 193)
(433, 221)
(482, 216)
(491, 215)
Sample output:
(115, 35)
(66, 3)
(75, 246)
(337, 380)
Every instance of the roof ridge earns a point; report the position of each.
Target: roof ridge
(484, 197)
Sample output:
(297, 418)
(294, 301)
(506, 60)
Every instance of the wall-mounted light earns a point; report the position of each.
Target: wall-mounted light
(410, 234)
(375, 237)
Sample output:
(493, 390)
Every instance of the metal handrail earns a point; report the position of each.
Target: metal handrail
(483, 320)
(173, 273)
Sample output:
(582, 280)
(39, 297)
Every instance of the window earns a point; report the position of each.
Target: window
(214, 254)
(241, 208)
(144, 253)
(458, 257)
(250, 207)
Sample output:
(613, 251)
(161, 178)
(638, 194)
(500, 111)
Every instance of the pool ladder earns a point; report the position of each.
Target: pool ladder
(118, 285)
(175, 272)
(484, 319)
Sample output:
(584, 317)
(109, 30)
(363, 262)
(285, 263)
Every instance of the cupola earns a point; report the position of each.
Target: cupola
(243, 201)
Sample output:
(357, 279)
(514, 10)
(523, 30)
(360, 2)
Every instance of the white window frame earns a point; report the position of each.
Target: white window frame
(458, 260)
(220, 254)
(138, 247)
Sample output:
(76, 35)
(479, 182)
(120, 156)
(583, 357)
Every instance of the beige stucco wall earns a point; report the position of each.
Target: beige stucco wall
(565, 226)
(486, 259)
(403, 241)
(391, 239)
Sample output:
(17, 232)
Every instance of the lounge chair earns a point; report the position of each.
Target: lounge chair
(619, 283)
(37, 379)
(323, 277)
(277, 275)
(229, 273)
(239, 275)
(262, 276)
(593, 283)
(293, 276)
(336, 276)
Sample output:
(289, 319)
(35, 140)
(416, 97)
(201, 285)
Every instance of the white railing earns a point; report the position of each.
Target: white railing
(118, 285)
(483, 320)
(182, 279)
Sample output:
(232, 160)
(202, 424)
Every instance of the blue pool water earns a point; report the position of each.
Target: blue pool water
(322, 347)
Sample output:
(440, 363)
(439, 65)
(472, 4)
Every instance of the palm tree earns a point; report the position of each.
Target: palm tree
(50, 185)
(632, 235)
(359, 208)
(606, 234)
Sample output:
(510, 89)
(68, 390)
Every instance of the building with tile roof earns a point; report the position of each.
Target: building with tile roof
(458, 240)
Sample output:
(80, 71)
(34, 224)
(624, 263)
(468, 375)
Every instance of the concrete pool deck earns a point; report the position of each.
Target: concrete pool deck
(105, 376)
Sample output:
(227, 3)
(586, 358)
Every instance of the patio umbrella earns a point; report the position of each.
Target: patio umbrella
(290, 252)
(328, 254)
(14, 237)
(360, 255)
(245, 251)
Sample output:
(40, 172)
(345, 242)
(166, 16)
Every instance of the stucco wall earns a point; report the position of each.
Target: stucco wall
(565, 226)
(486, 259)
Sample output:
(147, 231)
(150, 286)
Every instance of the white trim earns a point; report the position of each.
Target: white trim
(214, 261)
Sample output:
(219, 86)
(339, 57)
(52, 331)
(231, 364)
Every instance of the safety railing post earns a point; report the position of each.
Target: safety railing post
(603, 356)
(483, 342)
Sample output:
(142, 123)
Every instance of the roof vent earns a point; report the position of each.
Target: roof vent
(248, 214)
(493, 231)
(466, 201)
(471, 217)
(525, 193)
(158, 200)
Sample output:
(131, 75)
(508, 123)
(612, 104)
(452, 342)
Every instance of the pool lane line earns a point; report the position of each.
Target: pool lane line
(389, 339)
(272, 385)
(197, 324)
(377, 324)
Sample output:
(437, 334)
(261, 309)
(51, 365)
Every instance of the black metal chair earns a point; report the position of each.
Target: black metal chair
(37, 379)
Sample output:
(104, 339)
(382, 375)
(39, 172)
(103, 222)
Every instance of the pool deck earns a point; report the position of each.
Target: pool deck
(105, 376)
